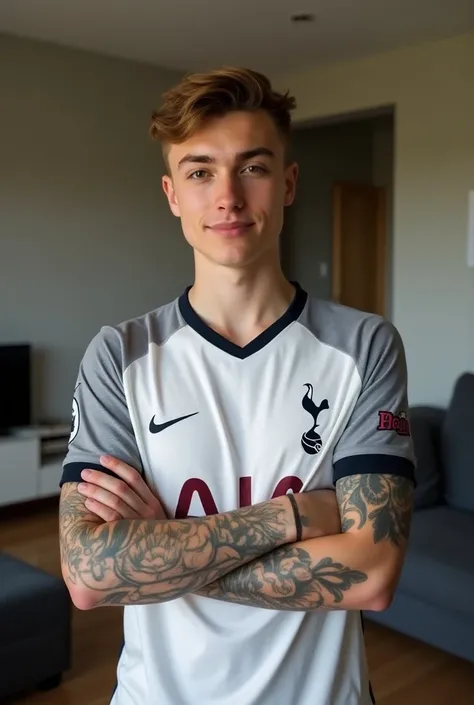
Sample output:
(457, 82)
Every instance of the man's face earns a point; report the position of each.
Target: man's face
(229, 184)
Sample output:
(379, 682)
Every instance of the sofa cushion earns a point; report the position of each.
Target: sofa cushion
(439, 565)
(31, 600)
(425, 423)
(457, 447)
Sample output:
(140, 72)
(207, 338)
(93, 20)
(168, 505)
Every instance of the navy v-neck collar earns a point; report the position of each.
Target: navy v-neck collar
(293, 311)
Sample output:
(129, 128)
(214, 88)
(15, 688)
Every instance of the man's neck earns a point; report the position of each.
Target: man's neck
(240, 305)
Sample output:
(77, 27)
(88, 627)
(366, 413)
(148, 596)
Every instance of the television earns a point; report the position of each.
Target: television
(15, 386)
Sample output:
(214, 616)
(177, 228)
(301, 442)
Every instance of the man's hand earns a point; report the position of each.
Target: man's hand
(112, 499)
(130, 497)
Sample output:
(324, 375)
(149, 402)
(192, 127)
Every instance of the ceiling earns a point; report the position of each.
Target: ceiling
(193, 35)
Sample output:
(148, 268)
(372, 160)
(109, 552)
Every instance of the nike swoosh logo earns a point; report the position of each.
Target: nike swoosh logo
(157, 427)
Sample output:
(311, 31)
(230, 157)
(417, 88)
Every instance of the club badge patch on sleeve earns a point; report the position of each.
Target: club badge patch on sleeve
(75, 420)
(394, 422)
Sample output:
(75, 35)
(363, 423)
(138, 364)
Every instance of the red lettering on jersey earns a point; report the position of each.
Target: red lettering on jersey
(194, 484)
(291, 482)
(245, 491)
(191, 486)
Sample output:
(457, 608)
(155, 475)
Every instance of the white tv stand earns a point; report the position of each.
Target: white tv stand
(31, 462)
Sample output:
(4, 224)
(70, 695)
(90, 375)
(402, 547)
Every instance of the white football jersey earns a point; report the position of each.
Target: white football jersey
(319, 395)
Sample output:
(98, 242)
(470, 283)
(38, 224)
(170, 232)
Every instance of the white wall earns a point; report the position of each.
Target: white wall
(431, 86)
(86, 236)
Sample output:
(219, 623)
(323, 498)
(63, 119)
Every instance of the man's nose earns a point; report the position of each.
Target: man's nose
(230, 194)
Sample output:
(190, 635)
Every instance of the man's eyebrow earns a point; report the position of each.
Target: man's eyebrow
(241, 156)
(196, 159)
(257, 152)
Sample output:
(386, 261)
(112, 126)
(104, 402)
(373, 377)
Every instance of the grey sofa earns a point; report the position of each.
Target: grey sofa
(434, 601)
(35, 628)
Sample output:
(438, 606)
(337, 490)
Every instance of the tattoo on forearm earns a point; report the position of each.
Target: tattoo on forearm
(287, 579)
(73, 518)
(383, 500)
(138, 562)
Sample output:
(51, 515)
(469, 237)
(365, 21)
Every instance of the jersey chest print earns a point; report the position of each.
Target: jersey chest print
(311, 442)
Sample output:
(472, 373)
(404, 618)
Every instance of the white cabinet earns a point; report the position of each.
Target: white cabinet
(31, 463)
(19, 459)
(48, 476)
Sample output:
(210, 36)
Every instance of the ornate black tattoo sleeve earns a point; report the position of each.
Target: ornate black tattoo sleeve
(74, 520)
(385, 501)
(299, 578)
(289, 578)
(137, 562)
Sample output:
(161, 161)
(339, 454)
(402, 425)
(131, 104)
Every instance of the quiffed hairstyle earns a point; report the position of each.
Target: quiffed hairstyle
(200, 96)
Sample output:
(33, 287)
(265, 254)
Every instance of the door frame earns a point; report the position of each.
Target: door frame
(381, 244)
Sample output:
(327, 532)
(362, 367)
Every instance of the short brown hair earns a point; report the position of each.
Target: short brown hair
(202, 95)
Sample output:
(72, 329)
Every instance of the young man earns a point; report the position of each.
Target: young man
(230, 415)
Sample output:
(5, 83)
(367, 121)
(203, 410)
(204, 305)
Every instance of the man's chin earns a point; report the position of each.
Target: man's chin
(234, 260)
(238, 254)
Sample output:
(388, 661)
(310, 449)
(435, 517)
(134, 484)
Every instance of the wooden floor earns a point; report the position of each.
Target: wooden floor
(402, 671)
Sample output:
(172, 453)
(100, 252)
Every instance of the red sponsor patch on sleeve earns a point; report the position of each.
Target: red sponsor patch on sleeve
(389, 421)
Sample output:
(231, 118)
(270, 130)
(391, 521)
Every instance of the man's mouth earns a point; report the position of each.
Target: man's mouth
(231, 228)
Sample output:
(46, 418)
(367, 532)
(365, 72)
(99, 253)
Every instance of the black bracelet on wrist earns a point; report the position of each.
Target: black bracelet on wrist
(296, 512)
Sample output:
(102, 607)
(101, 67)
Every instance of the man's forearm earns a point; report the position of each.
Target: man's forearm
(320, 573)
(139, 561)
(351, 571)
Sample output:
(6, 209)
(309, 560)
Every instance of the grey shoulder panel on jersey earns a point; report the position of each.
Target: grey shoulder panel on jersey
(379, 421)
(358, 334)
(101, 417)
(130, 339)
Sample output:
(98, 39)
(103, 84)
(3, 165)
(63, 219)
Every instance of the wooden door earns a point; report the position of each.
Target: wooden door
(359, 247)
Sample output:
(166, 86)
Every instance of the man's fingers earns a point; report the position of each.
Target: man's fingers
(127, 485)
(98, 483)
(103, 512)
(131, 476)
(125, 503)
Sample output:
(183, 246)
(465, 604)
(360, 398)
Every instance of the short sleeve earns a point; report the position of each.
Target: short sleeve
(101, 422)
(377, 438)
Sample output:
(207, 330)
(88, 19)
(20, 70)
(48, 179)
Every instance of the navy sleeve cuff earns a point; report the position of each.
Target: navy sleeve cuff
(72, 471)
(376, 463)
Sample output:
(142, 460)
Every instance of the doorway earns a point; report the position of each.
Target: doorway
(337, 236)
(359, 244)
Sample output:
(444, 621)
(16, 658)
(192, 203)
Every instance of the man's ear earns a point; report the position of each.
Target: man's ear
(168, 188)
(291, 177)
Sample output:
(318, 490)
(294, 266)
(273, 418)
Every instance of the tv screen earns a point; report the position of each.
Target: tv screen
(15, 385)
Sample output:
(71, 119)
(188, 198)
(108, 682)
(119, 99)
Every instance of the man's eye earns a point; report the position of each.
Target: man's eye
(198, 174)
(255, 169)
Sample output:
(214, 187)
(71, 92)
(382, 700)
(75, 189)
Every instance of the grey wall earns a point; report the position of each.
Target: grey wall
(383, 175)
(359, 151)
(86, 237)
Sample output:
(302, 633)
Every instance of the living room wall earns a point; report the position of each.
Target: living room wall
(433, 289)
(86, 236)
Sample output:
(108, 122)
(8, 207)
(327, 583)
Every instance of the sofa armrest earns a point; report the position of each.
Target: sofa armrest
(432, 415)
(426, 424)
